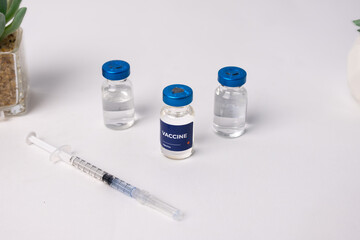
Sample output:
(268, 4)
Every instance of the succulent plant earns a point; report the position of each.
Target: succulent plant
(357, 23)
(11, 16)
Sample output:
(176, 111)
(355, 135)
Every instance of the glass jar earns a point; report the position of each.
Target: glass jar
(230, 102)
(117, 95)
(13, 81)
(176, 122)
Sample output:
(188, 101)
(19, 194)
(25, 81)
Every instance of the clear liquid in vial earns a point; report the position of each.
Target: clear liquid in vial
(118, 112)
(230, 111)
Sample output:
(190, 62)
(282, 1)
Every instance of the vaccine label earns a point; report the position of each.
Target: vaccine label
(176, 138)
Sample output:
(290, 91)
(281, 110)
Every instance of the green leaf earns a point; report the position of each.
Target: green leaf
(2, 23)
(12, 9)
(357, 22)
(9, 2)
(15, 24)
(3, 6)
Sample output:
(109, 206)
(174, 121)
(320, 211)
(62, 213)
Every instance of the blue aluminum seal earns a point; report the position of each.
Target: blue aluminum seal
(177, 95)
(232, 76)
(116, 70)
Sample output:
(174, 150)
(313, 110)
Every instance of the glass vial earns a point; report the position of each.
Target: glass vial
(117, 95)
(176, 122)
(230, 102)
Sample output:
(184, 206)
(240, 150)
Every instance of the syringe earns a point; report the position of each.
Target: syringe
(63, 153)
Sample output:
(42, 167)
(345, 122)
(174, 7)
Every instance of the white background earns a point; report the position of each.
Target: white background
(293, 175)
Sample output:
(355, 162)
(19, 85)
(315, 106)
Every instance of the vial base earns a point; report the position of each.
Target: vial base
(120, 126)
(229, 127)
(177, 155)
(230, 133)
(119, 120)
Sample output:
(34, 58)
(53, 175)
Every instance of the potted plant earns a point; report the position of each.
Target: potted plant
(13, 84)
(354, 67)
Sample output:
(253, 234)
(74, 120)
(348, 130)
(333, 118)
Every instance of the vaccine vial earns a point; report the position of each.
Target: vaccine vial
(230, 102)
(176, 122)
(117, 95)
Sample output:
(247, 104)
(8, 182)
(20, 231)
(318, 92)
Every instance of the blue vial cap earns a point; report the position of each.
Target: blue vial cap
(116, 70)
(232, 76)
(177, 95)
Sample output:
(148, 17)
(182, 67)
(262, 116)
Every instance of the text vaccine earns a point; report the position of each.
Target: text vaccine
(230, 102)
(117, 95)
(176, 122)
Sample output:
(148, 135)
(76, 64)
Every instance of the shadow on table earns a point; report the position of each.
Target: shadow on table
(253, 121)
(47, 81)
(145, 110)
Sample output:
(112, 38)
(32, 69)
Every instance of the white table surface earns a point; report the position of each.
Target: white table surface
(293, 175)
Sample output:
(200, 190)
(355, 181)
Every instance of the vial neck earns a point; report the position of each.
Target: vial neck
(116, 82)
(177, 110)
(231, 88)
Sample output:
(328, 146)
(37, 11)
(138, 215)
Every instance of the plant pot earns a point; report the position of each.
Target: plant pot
(354, 70)
(13, 82)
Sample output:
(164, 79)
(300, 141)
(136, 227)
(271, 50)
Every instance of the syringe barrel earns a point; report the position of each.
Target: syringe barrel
(122, 186)
(87, 168)
(143, 197)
